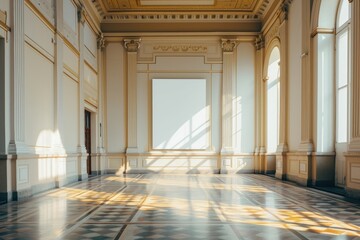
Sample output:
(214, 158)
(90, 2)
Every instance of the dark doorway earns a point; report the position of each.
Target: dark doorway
(88, 140)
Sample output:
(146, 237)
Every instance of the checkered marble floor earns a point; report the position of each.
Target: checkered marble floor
(164, 206)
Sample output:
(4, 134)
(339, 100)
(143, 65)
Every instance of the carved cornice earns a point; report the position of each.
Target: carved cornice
(101, 42)
(228, 45)
(132, 45)
(259, 42)
(181, 48)
(179, 17)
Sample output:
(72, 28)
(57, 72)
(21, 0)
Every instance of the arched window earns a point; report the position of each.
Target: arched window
(273, 100)
(341, 88)
(342, 70)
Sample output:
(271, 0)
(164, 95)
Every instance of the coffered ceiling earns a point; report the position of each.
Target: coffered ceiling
(183, 15)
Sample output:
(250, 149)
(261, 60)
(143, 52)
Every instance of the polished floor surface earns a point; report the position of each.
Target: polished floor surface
(181, 207)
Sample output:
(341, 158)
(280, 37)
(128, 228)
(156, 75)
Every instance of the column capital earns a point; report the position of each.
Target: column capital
(228, 45)
(350, 1)
(259, 42)
(81, 13)
(284, 11)
(132, 44)
(101, 42)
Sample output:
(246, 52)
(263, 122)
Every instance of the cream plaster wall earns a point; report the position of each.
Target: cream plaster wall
(69, 136)
(39, 99)
(294, 76)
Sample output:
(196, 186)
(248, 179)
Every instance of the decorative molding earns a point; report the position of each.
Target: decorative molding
(180, 48)
(132, 45)
(350, 1)
(228, 45)
(273, 32)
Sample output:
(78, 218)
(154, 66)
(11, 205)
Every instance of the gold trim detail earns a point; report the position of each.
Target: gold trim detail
(91, 103)
(70, 73)
(91, 67)
(69, 44)
(39, 50)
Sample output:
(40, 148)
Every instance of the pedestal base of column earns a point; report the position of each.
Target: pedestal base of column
(16, 148)
(82, 163)
(282, 147)
(354, 145)
(306, 147)
(352, 174)
(299, 167)
(323, 169)
(132, 150)
(281, 166)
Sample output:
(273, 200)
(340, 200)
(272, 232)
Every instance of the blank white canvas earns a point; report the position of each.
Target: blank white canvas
(180, 118)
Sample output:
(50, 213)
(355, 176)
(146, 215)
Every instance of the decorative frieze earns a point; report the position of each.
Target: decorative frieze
(132, 45)
(181, 48)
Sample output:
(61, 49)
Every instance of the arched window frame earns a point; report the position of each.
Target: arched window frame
(271, 84)
(343, 30)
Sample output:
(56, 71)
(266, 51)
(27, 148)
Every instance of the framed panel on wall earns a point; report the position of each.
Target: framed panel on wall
(180, 114)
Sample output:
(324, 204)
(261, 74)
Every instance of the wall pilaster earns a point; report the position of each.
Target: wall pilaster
(259, 105)
(353, 155)
(283, 32)
(132, 46)
(354, 145)
(17, 134)
(282, 148)
(82, 168)
(228, 87)
(101, 43)
(306, 144)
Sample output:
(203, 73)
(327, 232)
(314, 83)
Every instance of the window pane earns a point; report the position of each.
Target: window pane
(344, 13)
(274, 72)
(342, 73)
(342, 113)
(272, 116)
